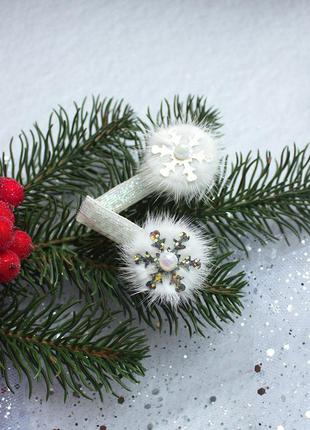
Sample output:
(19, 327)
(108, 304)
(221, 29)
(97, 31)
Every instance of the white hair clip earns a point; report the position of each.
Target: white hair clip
(167, 259)
(180, 160)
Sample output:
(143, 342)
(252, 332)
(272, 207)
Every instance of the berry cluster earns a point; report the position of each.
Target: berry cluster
(15, 244)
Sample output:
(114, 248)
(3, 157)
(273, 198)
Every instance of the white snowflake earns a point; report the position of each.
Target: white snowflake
(180, 149)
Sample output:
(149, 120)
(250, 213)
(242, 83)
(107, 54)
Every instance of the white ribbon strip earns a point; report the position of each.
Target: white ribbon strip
(126, 194)
(106, 222)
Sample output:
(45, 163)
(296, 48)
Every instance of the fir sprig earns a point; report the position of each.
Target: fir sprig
(260, 198)
(255, 197)
(93, 150)
(56, 342)
(193, 110)
(217, 302)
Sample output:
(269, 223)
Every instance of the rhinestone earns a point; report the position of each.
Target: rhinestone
(151, 285)
(154, 235)
(175, 279)
(184, 236)
(180, 287)
(137, 259)
(158, 277)
(196, 263)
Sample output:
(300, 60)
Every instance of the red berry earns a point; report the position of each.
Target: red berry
(9, 266)
(6, 211)
(21, 244)
(11, 191)
(6, 232)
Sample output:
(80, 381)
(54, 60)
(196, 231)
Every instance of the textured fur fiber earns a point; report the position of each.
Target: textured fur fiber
(176, 184)
(138, 275)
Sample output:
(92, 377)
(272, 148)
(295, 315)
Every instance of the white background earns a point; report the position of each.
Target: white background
(252, 60)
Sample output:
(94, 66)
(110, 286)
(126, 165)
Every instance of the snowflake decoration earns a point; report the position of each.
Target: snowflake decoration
(167, 261)
(180, 148)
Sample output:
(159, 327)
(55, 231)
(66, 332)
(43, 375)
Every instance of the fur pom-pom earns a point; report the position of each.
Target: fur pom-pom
(181, 160)
(168, 260)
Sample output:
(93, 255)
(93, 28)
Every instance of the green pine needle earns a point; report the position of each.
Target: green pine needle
(256, 197)
(57, 342)
(261, 198)
(218, 301)
(93, 152)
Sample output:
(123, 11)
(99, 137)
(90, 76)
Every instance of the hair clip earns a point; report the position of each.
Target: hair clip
(181, 161)
(166, 259)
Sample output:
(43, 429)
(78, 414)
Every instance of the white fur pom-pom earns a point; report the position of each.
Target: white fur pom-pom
(181, 160)
(168, 260)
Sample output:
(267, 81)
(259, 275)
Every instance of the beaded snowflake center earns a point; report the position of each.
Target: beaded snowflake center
(179, 149)
(167, 261)
(182, 150)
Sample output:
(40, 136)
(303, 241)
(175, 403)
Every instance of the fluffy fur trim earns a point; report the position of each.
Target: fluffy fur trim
(181, 160)
(140, 269)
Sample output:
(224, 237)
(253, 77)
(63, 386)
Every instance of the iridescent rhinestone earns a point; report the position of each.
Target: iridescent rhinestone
(159, 243)
(185, 263)
(184, 236)
(176, 279)
(151, 284)
(178, 245)
(154, 235)
(196, 263)
(180, 288)
(158, 277)
(137, 258)
(148, 259)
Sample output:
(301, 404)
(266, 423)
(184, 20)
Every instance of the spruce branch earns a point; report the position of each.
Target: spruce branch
(60, 254)
(91, 263)
(87, 153)
(217, 302)
(260, 198)
(255, 196)
(193, 110)
(59, 342)
(56, 171)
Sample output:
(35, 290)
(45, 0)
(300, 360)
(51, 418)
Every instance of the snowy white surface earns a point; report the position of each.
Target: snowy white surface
(252, 60)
